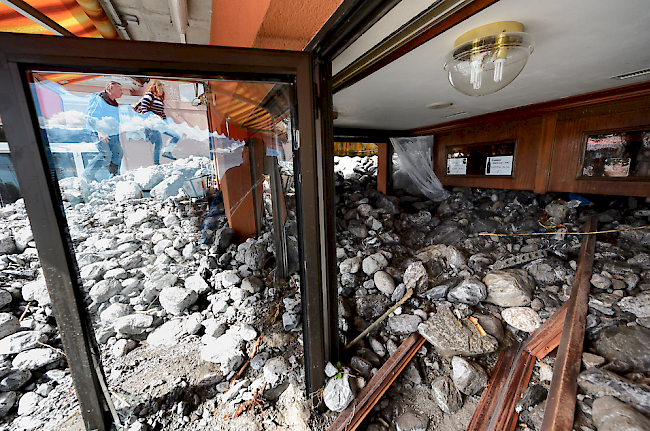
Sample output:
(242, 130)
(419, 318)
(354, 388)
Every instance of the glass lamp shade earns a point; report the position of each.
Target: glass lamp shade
(487, 64)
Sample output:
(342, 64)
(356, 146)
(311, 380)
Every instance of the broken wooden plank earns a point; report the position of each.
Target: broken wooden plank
(491, 393)
(505, 417)
(352, 416)
(561, 401)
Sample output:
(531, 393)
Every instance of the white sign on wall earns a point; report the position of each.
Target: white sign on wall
(457, 166)
(501, 165)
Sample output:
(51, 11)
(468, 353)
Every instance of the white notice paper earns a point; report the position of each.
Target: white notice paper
(457, 166)
(501, 165)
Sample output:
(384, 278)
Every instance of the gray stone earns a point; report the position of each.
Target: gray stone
(5, 298)
(600, 282)
(557, 209)
(491, 325)
(547, 271)
(28, 403)
(610, 414)
(416, 277)
(373, 263)
(638, 305)
(469, 377)
(259, 360)
(361, 365)
(225, 351)
(35, 358)
(122, 347)
(223, 237)
(175, 300)
(448, 233)
(252, 285)
(625, 345)
(351, 265)
(247, 332)
(133, 324)
(115, 311)
(275, 370)
(590, 360)
(15, 380)
(398, 293)
(384, 282)
(371, 307)
(522, 318)
(255, 257)
(359, 230)
(8, 324)
(7, 401)
(470, 291)
(290, 321)
(404, 324)
(103, 290)
(599, 383)
(169, 333)
(7, 244)
(197, 284)
(451, 336)
(509, 287)
(446, 395)
(410, 421)
(37, 291)
(21, 341)
(448, 255)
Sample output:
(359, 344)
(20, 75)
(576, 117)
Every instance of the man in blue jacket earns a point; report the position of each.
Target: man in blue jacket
(103, 117)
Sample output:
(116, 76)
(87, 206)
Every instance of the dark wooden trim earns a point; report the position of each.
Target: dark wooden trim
(560, 404)
(545, 153)
(505, 417)
(612, 95)
(374, 61)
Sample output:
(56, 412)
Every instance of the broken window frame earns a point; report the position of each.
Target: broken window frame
(18, 53)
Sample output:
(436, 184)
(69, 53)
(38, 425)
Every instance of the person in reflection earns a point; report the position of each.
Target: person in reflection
(103, 117)
(153, 103)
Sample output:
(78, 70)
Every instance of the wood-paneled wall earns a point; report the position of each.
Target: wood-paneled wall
(550, 141)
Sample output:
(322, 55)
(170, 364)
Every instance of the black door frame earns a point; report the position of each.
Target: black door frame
(42, 197)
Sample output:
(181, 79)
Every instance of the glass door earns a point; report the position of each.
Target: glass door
(161, 184)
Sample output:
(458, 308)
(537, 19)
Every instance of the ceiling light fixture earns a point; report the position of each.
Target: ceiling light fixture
(487, 58)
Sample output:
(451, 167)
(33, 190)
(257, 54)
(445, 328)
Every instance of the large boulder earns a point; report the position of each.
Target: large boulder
(509, 287)
(452, 337)
(627, 346)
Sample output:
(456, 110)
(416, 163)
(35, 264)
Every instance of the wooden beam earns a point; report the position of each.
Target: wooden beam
(352, 417)
(561, 401)
(38, 17)
(547, 337)
(490, 397)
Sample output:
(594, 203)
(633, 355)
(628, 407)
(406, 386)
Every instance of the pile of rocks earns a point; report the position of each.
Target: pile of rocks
(474, 290)
(178, 314)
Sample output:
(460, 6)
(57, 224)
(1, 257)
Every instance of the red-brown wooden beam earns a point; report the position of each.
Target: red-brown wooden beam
(560, 405)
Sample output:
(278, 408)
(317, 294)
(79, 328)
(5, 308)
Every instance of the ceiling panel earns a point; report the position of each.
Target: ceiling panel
(579, 46)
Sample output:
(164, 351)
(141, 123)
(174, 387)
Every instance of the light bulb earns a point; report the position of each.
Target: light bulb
(498, 69)
(476, 69)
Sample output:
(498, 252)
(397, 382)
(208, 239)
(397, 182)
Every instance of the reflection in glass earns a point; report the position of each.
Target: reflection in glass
(617, 155)
(180, 203)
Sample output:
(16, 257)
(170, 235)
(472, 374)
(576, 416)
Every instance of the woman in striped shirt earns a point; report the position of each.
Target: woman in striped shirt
(154, 102)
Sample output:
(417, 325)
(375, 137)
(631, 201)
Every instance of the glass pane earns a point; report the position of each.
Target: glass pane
(180, 203)
(481, 159)
(617, 155)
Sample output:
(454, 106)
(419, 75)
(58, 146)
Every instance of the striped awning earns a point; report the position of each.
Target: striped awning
(83, 18)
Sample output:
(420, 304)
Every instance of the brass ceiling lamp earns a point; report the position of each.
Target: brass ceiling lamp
(487, 58)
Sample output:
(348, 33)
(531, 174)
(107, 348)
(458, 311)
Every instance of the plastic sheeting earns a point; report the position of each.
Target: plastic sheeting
(416, 157)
